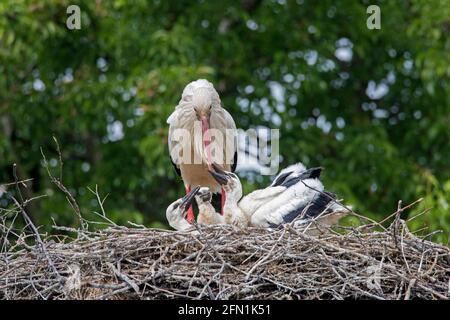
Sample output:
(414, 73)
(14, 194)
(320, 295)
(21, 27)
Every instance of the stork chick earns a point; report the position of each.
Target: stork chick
(230, 182)
(176, 212)
(207, 214)
(295, 193)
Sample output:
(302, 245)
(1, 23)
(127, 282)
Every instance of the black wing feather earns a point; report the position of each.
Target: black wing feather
(289, 181)
(316, 207)
(280, 179)
(175, 166)
(235, 160)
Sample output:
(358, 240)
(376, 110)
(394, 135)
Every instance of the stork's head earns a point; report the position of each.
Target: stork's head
(229, 181)
(176, 212)
(203, 195)
(202, 101)
(204, 104)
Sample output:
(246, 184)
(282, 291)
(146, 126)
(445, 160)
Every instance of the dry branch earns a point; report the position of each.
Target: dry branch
(221, 262)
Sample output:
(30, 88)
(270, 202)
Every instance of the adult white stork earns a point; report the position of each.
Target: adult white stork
(176, 211)
(295, 192)
(190, 148)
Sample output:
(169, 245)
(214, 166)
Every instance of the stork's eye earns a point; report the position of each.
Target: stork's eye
(210, 107)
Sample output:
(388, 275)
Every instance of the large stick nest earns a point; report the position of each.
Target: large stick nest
(222, 262)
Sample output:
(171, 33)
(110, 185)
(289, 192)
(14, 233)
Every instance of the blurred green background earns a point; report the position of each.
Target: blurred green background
(371, 106)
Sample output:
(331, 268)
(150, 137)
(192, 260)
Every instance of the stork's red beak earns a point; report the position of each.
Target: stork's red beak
(206, 139)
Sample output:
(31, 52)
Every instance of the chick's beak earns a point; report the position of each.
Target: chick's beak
(219, 175)
(186, 201)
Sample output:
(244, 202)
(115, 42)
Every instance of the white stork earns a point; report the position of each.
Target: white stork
(176, 212)
(200, 104)
(295, 192)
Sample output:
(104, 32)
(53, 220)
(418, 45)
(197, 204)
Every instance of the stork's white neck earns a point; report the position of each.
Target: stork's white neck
(233, 213)
(208, 215)
(184, 225)
(179, 223)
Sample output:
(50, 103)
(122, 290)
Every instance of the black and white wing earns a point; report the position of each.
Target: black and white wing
(304, 201)
(295, 173)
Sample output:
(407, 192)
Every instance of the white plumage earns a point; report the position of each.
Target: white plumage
(176, 211)
(296, 192)
(199, 102)
(196, 120)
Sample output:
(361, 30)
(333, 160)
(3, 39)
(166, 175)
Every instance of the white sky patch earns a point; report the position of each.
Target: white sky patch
(408, 65)
(339, 136)
(38, 85)
(68, 76)
(85, 167)
(297, 84)
(277, 91)
(288, 78)
(115, 131)
(381, 114)
(252, 25)
(344, 54)
(311, 57)
(292, 100)
(131, 123)
(340, 122)
(312, 29)
(280, 107)
(255, 109)
(390, 78)
(249, 89)
(265, 107)
(323, 124)
(326, 65)
(376, 91)
(126, 96)
(373, 187)
(243, 103)
(139, 112)
(276, 119)
(344, 50)
(102, 64)
(205, 24)
(417, 114)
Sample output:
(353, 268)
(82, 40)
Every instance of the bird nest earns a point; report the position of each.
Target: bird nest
(222, 262)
